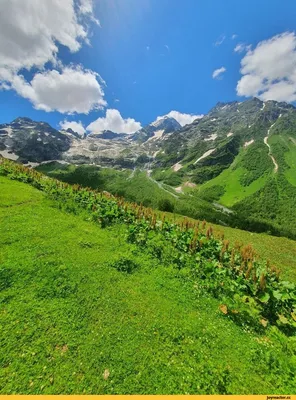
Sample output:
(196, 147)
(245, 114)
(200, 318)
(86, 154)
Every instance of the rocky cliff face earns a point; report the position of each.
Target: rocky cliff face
(27, 140)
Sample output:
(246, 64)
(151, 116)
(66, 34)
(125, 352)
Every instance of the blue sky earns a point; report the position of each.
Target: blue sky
(152, 56)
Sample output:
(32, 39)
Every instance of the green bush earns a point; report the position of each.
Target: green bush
(165, 205)
(124, 265)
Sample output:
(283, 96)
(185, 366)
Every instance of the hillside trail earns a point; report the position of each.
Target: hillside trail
(159, 184)
(147, 168)
(276, 167)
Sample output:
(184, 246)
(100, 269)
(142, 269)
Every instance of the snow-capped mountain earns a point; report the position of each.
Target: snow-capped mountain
(27, 140)
(156, 129)
(239, 122)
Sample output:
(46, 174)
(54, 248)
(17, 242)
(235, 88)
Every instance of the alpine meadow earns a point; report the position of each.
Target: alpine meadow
(147, 197)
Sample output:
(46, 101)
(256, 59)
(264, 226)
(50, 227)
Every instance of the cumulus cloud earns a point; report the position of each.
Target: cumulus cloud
(30, 33)
(218, 72)
(115, 123)
(76, 126)
(182, 118)
(69, 91)
(269, 71)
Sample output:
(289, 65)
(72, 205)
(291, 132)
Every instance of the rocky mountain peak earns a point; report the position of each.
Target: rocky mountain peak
(166, 123)
(22, 121)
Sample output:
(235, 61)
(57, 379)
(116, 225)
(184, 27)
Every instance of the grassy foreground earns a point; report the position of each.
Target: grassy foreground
(72, 323)
(279, 250)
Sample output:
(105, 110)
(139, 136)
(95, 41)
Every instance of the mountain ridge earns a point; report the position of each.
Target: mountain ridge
(240, 156)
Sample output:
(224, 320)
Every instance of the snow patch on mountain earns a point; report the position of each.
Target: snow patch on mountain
(212, 137)
(9, 155)
(248, 143)
(206, 154)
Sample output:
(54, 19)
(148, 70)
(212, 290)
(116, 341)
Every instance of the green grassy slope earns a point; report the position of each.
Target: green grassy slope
(258, 194)
(246, 175)
(71, 323)
(290, 158)
(134, 186)
(280, 251)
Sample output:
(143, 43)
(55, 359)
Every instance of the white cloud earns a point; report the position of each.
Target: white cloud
(115, 123)
(86, 7)
(218, 72)
(240, 47)
(182, 118)
(72, 90)
(248, 85)
(269, 71)
(29, 32)
(76, 126)
(167, 47)
(220, 40)
(234, 36)
(147, 48)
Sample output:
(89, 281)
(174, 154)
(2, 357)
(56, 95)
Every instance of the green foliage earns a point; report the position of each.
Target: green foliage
(213, 165)
(168, 176)
(204, 174)
(257, 162)
(241, 272)
(5, 278)
(272, 206)
(142, 159)
(56, 283)
(212, 193)
(71, 324)
(124, 265)
(165, 205)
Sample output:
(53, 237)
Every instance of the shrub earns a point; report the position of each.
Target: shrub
(166, 205)
(124, 265)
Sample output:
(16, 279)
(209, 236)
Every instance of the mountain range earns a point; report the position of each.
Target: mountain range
(240, 157)
(34, 142)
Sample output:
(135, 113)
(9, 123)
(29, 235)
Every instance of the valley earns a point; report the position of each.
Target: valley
(239, 156)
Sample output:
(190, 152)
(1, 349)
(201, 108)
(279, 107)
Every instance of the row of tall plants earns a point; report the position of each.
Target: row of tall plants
(249, 289)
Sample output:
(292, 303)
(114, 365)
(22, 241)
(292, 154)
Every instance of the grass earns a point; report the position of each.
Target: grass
(290, 158)
(132, 185)
(230, 180)
(72, 323)
(279, 250)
